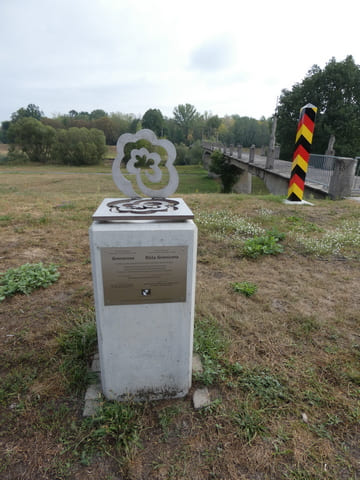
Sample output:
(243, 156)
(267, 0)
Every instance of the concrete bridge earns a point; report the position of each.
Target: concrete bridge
(327, 176)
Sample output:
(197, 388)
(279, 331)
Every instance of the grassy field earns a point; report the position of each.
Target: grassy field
(277, 329)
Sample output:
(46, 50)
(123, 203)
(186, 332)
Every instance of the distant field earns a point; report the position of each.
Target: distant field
(192, 178)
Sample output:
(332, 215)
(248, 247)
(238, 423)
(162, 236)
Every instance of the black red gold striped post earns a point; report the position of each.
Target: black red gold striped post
(303, 141)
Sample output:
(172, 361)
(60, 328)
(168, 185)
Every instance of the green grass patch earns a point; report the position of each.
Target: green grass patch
(264, 386)
(78, 345)
(246, 288)
(258, 186)
(167, 416)
(211, 345)
(249, 422)
(15, 384)
(27, 278)
(115, 423)
(267, 244)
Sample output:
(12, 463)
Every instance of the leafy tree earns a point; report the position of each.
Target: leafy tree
(173, 131)
(79, 146)
(188, 155)
(226, 130)
(153, 120)
(32, 111)
(335, 91)
(4, 131)
(181, 154)
(135, 125)
(244, 130)
(109, 127)
(98, 113)
(195, 153)
(229, 174)
(33, 138)
(185, 117)
(53, 122)
(212, 125)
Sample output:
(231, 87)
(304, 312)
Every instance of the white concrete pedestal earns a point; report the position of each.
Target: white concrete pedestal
(144, 288)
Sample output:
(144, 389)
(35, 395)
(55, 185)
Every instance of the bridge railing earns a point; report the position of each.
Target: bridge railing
(320, 169)
(338, 176)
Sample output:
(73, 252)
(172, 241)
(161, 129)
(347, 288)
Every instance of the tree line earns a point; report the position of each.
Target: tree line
(81, 137)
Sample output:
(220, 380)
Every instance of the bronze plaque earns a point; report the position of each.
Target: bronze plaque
(140, 275)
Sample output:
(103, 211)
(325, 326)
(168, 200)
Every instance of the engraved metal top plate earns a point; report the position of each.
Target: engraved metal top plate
(159, 209)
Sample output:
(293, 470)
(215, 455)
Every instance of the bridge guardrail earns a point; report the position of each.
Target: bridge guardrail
(320, 169)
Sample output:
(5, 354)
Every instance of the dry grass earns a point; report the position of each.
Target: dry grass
(297, 335)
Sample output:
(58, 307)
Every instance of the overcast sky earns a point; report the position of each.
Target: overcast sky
(224, 56)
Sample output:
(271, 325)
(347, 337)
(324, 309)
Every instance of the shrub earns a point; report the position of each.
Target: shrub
(229, 174)
(34, 139)
(79, 146)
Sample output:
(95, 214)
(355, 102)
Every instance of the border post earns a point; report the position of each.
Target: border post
(303, 141)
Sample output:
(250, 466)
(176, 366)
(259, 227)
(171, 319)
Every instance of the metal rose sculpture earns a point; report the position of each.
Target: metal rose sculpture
(125, 185)
(136, 207)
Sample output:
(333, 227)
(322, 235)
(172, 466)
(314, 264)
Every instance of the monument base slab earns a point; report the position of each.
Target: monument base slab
(144, 288)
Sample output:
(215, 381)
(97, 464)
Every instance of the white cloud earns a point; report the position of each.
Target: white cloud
(217, 53)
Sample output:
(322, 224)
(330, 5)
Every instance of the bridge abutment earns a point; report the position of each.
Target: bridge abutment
(243, 185)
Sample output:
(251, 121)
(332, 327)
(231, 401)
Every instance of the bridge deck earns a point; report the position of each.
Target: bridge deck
(316, 178)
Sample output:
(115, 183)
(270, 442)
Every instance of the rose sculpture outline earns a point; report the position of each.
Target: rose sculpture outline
(125, 185)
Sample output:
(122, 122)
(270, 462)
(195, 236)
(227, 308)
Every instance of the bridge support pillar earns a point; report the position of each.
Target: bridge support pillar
(342, 178)
(243, 185)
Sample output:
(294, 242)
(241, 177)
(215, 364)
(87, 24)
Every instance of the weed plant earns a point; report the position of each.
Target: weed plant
(246, 288)
(27, 278)
(267, 244)
(263, 386)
